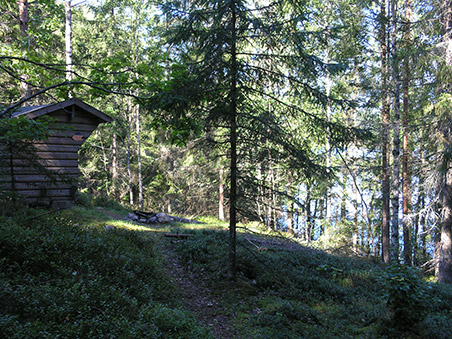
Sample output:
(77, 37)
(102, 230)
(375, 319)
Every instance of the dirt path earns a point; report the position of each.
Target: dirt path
(196, 295)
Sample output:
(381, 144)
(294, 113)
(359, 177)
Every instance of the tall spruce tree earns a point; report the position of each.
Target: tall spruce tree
(443, 253)
(244, 73)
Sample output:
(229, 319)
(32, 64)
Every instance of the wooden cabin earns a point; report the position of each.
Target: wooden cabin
(53, 181)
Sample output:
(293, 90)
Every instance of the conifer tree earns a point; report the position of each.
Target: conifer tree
(244, 74)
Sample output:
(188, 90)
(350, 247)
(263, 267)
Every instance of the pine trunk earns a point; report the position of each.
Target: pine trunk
(406, 195)
(385, 187)
(396, 137)
(444, 248)
(443, 270)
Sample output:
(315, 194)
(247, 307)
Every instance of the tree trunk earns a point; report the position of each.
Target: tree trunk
(307, 209)
(129, 153)
(396, 136)
(114, 161)
(343, 215)
(140, 179)
(232, 272)
(271, 208)
(68, 40)
(328, 146)
(406, 195)
(443, 253)
(356, 232)
(421, 209)
(385, 139)
(221, 196)
(443, 269)
(289, 220)
(23, 23)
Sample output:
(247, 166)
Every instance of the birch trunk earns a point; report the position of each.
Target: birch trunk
(140, 179)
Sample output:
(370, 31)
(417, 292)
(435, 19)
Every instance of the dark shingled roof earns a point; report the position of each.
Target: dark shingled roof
(25, 110)
(36, 111)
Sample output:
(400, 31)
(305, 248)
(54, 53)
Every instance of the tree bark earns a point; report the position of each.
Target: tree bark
(129, 153)
(443, 253)
(396, 136)
(23, 23)
(68, 40)
(443, 271)
(221, 196)
(307, 209)
(385, 187)
(328, 145)
(140, 179)
(406, 195)
(290, 218)
(232, 272)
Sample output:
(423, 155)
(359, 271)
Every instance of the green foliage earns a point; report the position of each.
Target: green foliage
(407, 297)
(307, 293)
(21, 129)
(58, 278)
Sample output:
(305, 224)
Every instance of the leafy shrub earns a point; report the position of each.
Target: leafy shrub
(105, 201)
(407, 297)
(84, 199)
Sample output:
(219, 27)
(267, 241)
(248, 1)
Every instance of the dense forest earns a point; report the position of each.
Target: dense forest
(326, 120)
(311, 140)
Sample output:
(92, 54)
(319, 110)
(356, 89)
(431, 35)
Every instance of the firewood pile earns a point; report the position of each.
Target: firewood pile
(157, 218)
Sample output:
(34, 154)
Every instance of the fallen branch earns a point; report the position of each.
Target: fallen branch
(177, 235)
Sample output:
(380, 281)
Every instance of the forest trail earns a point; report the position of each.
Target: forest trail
(196, 296)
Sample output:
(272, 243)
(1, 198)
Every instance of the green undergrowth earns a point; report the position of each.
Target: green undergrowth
(305, 293)
(86, 273)
(66, 275)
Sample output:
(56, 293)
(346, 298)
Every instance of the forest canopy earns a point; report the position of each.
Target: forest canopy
(329, 121)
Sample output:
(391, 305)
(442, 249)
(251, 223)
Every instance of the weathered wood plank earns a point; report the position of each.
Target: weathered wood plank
(55, 169)
(70, 134)
(78, 119)
(49, 193)
(47, 156)
(57, 155)
(38, 185)
(74, 127)
(39, 178)
(47, 163)
(60, 141)
(56, 148)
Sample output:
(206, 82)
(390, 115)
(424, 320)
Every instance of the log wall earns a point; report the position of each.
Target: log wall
(49, 174)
